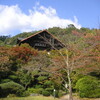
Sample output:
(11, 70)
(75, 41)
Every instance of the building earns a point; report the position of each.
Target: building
(42, 40)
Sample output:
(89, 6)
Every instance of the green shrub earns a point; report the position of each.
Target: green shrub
(61, 93)
(50, 90)
(38, 86)
(88, 86)
(25, 93)
(11, 95)
(45, 93)
(5, 80)
(11, 88)
(48, 83)
(35, 90)
(42, 78)
(13, 77)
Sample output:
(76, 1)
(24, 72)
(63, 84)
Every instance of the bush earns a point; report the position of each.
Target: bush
(26, 93)
(13, 77)
(48, 83)
(50, 90)
(88, 86)
(35, 90)
(45, 93)
(5, 80)
(38, 86)
(11, 88)
(11, 95)
(61, 93)
(42, 78)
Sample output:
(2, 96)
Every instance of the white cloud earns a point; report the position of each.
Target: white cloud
(12, 19)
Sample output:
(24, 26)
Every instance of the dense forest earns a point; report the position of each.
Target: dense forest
(25, 71)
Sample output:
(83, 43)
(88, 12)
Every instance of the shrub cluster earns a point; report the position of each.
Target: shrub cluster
(45, 93)
(11, 88)
(89, 87)
(35, 90)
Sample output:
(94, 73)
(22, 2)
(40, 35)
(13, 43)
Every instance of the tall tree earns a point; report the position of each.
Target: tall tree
(74, 56)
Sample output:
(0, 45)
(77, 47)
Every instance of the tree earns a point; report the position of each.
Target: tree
(4, 59)
(74, 56)
(67, 66)
(71, 26)
(61, 67)
(22, 53)
(25, 78)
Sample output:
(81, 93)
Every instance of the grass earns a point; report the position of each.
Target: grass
(30, 98)
(44, 98)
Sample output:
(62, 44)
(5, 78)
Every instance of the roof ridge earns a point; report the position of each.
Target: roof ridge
(41, 32)
(32, 35)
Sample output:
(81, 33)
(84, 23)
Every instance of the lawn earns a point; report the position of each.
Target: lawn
(45, 98)
(30, 98)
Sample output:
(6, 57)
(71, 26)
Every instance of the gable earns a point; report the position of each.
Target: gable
(43, 41)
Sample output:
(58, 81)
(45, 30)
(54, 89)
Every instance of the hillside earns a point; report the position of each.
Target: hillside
(60, 33)
(26, 71)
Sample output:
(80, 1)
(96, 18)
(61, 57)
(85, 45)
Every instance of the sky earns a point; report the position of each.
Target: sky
(17, 16)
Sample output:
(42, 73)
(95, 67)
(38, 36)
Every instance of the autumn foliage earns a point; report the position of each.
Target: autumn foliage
(37, 70)
(22, 53)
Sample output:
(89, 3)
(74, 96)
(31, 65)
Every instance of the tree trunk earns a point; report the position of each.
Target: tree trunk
(69, 79)
(70, 86)
(26, 86)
